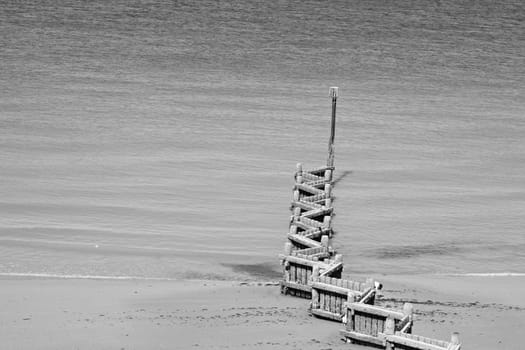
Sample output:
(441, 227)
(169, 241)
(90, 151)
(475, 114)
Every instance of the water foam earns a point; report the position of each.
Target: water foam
(487, 274)
(77, 276)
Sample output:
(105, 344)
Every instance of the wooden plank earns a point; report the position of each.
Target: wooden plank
(296, 286)
(373, 328)
(320, 170)
(301, 225)
(401, 340)
(311, 177)
(317, 212)
(304, 277)
(310, 223)
(308, 275)
(380, 325)
(357, 325)
(327, 315)
(315, 198)
(305, 262)
(334, 267)
(339, 303)
(305, 205)
(321, 300)
(375, 310)
(298, 270)
(331, 302)
(368, 325)
(363, 338)
(305, 241)
(307, 188)
(316, 232)
(367, 296)
(331, 288)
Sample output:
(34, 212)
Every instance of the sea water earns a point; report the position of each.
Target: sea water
(158, 139)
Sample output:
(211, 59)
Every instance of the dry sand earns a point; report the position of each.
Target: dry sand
(138, 314)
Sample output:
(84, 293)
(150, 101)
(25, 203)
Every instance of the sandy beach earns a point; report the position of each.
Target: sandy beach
(148, 155)
(141, 314)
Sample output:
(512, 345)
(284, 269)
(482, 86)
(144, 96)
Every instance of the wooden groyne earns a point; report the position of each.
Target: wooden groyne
(313, 270)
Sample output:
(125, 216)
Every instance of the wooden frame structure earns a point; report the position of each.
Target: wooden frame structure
(330, 294)
(313, 270)
(369, 324)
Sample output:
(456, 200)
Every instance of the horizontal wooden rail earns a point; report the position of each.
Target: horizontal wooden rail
(416, 342)
(369, 323)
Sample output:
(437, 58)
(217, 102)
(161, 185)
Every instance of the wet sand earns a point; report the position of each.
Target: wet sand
(139, 314)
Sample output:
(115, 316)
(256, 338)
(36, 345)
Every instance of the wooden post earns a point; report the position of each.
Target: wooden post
(334, 91)
(296, 195)
(454, 338)
(325, 241)
(315, 293)
(296, 213)
(338, 258)
(328, 190)
(288, 248)
(293, 229)
(299, 174)
(390, 328)
(350, 298)
(328, 193)
(408, 310)
(286, 271)
(326, 220)
(328, 175)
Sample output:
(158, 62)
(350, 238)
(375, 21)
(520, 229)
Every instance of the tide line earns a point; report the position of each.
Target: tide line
(86, 277)
(487, 274)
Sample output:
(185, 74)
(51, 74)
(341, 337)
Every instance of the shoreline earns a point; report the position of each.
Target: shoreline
(143, 314)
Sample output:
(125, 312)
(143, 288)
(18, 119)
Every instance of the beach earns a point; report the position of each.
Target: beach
(148, 151)
(189, 314)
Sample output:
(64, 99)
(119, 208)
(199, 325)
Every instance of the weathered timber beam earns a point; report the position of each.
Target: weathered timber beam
(318, 183)
(301, 261)
(405, 323)
(311, 177)
(315, 198)
(363, 337)
(310, 243)
(309, 189)
(334, 289)
(317, 232)
(306, 205)
(320, 170)
(326, 314)
(301, 224)
(303, 287)
(332, 269)
(317, 212)
(401, 340)
(375, 310)
(368, 294)
(311, 222)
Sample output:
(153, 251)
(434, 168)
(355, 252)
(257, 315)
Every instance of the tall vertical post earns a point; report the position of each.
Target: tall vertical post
(334, 91)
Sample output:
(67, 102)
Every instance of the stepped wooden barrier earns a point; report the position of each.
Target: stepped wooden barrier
(312, 269)
(368, 323)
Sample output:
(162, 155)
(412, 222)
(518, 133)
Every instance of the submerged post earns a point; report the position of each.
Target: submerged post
(334, 91)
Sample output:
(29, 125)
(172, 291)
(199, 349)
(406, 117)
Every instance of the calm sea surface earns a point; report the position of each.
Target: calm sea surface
(159, 138)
